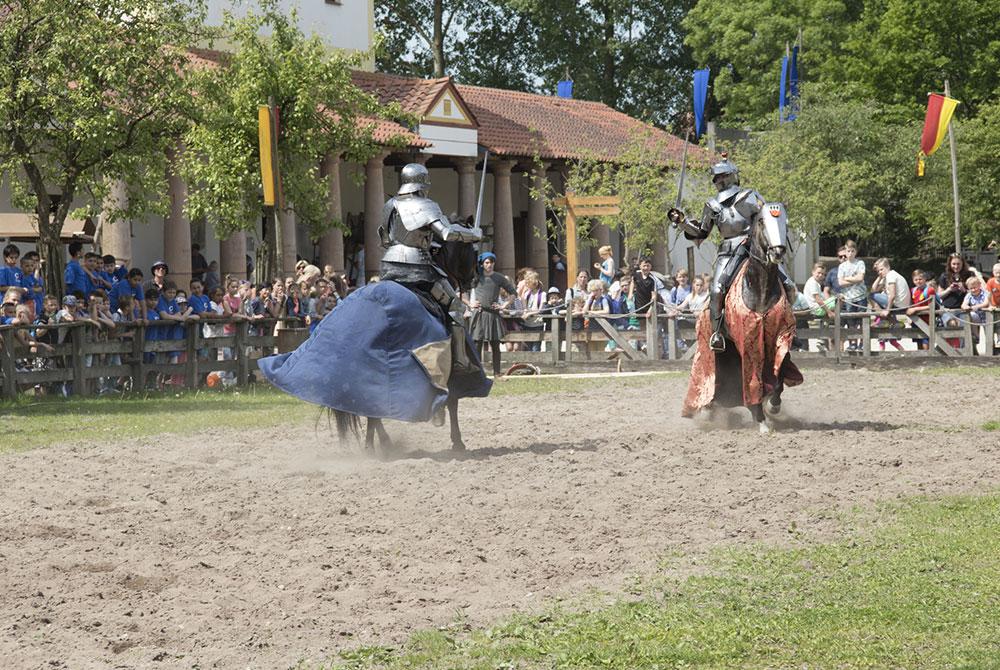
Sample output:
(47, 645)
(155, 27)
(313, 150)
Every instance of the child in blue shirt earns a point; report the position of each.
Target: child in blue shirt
(606, 266)
(10, 274)
(34, 288)
(198, 301)
(74, 276)
(154, 332)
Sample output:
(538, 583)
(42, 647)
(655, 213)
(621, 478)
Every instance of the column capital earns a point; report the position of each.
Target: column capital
(502, 168)
(465, 164)
(378, 158)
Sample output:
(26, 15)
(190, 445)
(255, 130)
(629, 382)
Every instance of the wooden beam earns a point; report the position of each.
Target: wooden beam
(571, 254)
(597, 210)
(579, 201)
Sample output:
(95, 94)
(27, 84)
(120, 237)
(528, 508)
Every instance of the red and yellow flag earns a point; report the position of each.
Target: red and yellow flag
(939, 111)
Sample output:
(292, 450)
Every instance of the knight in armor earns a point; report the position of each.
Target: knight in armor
(734, 211)
(411, 224)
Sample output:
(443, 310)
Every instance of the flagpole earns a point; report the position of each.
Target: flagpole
(954, 177)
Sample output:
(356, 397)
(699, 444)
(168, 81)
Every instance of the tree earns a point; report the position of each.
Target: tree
(90, 93)
(841, 169)
(428, 21)
(743, 43)
(320, 111)
(626, 53)
(901, 49)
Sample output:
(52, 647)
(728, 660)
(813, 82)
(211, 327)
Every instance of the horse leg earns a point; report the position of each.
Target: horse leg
(757, 411)
(370, 434)
(384, 442)
(456, 432)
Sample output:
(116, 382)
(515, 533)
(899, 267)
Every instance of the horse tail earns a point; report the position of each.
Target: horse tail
(347, 423)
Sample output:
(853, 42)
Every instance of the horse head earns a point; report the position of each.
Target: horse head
(772, 232)
(458, 260)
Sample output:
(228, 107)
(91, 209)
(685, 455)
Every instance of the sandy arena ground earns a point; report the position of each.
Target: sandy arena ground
(235, 550)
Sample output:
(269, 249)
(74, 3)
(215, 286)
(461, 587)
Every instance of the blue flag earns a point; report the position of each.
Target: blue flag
(788, 91)
(700, 95)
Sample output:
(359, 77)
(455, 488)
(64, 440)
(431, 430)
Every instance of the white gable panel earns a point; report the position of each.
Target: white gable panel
(450, 141)
(448, 109)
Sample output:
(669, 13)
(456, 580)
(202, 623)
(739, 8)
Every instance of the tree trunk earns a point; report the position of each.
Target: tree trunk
(50, 248)
(437, 47)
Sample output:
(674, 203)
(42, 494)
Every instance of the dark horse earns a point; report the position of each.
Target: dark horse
(458, 260)
(756, 366)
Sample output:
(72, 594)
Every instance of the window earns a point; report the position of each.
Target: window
(447, 107)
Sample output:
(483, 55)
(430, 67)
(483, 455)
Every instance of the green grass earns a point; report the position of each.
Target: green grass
(960, 370)
(29, 422)
(991, 425)
(920, 591)
(38, 422)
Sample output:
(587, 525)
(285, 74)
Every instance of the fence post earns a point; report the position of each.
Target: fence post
(8, 365)
(866, 334)
(969, 348)
(138, 353)
(672, 338)
(554, 338)
(932, 322)
(191, 369)
(837, 335)
(80, 386)
(653, 333)
(569, 333)
(240, 353)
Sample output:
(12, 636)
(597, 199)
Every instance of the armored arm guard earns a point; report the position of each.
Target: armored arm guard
(693, 229)
(452, 233)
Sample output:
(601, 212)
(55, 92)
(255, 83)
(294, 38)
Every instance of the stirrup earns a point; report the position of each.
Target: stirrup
(717, 342)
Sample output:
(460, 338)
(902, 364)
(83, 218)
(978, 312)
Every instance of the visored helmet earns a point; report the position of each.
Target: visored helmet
(725, 174)
(414, 177)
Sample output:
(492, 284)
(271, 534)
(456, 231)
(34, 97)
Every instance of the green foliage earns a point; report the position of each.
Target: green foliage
(919, 592)
(743, 43)
(978, 145)
(901, 49)
(320, 111)
(646, 188)
(90, 93)
(840, 168)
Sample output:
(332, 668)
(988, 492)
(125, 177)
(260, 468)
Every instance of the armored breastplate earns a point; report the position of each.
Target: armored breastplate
(737, 212)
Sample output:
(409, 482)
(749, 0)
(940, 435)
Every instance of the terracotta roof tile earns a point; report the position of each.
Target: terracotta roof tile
(413, 94)
(512, 123)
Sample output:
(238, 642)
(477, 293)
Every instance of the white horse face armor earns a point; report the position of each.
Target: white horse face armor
(775, 222)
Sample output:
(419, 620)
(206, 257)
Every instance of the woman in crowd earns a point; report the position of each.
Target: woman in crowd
(579, 289)
(952, 289)
(533, 300)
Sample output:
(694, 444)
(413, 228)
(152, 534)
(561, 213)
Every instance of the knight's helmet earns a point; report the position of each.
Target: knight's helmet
(414, 177)
(725, 174)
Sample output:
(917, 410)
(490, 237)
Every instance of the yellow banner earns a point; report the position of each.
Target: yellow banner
(266, 157)
(947, 110)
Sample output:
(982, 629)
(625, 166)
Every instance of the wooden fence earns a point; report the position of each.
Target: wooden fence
(660, 336)
(85, 353)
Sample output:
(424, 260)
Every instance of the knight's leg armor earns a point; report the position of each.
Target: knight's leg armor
(445, 295)
(726, 268)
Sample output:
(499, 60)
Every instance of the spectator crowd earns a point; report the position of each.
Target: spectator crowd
(113, 298)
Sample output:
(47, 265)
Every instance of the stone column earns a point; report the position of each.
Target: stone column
(233, 256)
(538, 233)
(116, 238)
(466, 168)
(177, 228)
(503, 218)
(331, 245)
(374, 202)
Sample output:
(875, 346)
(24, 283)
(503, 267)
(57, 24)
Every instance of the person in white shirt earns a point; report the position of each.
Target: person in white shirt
(890, 292)
(818, 302)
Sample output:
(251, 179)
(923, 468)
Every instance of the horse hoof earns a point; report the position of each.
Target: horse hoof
(458, 446)
(764, 428)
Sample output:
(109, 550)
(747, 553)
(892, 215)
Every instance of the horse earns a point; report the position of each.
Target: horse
(459, 262)
(756, 366)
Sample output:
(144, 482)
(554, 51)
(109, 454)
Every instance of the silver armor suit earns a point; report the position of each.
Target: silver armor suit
(734, 211)
(411, 224)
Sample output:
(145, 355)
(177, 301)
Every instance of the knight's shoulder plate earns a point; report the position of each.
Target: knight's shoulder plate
(416, 213)
(749, 203)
